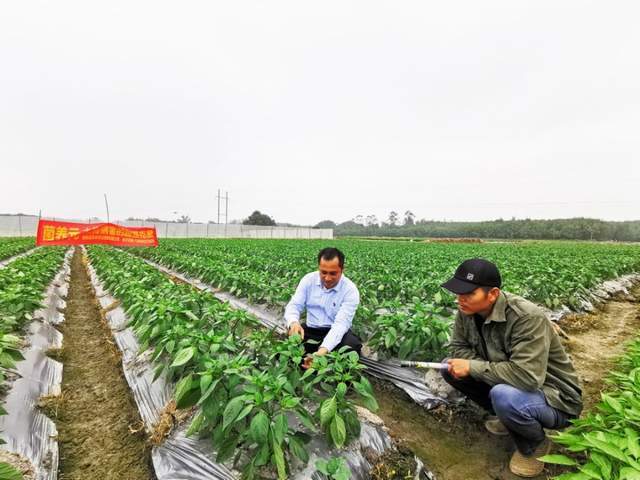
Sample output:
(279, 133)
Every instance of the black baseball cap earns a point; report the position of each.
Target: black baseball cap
(471, 274)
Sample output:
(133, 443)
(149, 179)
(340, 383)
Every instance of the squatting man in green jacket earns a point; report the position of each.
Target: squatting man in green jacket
(506, 356)
(331, 301)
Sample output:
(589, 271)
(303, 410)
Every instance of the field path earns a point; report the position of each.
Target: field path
(597, 339)
(100, 431)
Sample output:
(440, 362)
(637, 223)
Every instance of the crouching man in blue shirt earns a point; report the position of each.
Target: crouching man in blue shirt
(331, 301)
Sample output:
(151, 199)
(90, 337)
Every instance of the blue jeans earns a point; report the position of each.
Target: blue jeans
(525, 414)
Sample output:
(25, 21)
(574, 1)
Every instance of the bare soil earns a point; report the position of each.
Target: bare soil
(100, 431)
(597, 340)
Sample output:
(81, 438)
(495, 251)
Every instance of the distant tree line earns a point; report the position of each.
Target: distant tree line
(557, 229)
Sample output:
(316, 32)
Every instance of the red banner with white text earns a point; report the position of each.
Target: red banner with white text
(69, 233)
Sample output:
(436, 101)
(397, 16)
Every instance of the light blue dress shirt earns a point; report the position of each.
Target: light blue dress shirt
(332, 308)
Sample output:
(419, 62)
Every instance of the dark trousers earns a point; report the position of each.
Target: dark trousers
(525, 414)
(350, 340)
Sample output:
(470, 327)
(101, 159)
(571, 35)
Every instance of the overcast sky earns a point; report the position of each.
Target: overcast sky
(459, 110)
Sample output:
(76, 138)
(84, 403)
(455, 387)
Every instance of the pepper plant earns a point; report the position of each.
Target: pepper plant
(252, 397)
(336, 373)
(335, 468)
(415, 331)
(608, 438)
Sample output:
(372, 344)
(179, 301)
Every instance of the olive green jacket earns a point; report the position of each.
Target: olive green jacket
(522, 350)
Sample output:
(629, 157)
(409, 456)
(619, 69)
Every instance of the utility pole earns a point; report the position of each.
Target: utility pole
(106, 202)
(226, 212)
(218, 206)
(226, 209)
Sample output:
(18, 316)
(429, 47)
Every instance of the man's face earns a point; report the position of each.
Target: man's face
(330, 272)
(477, 301)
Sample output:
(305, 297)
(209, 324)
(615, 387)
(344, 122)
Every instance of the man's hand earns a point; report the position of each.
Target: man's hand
(296, 328)
(308, 360)
(459, 367)
(306, 363)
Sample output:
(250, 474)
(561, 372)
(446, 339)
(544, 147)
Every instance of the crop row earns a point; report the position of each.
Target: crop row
(14, 246)
(22, 286)
(403, 311)
(254, 402)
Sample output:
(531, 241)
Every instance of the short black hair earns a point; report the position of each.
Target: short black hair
(330, 253)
